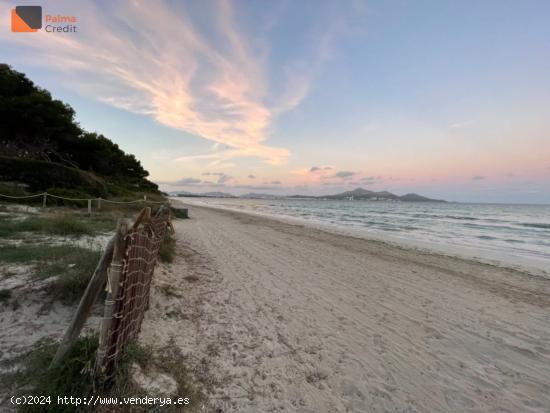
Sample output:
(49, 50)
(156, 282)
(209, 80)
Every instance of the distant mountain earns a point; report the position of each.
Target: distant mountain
(254, 195)
(361, 193)
(218, 195)
(357, 194)
(418, 198)
(303, 196)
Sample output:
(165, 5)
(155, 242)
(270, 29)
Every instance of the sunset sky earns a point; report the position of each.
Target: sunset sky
(450, 99)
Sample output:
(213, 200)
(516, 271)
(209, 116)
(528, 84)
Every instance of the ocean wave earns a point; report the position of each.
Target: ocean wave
(486, 237)
(511, 230)
(535, 225)
(460, 218)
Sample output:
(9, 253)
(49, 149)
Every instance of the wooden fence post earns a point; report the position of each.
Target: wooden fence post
(86, 302)
(113, 283)
(89, 207)
(99, 203)
(144, 216)
(44, 197)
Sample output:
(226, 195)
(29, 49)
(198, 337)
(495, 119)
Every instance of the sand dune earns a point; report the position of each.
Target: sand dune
(279, 317)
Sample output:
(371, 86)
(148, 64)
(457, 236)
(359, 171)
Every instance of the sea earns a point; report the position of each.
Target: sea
(513, 235)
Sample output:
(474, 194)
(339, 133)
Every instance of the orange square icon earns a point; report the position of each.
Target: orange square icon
(26, 18)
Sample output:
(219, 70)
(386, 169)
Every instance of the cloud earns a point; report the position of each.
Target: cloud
(251, 176)
(224, 178)
(370, 180)
(183, 181)
(299, 74)
(344, 174)
(175, 73)
(213, 173)
(275, 182)
(477, 178)
(319, 169)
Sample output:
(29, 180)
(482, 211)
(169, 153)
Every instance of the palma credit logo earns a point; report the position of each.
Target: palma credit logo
(28, 19)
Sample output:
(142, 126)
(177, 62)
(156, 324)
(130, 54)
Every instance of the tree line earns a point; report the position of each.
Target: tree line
(36, 127)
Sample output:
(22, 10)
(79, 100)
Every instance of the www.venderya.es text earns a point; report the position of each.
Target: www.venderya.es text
(98, 400)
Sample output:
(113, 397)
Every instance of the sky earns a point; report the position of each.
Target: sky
(449, 99)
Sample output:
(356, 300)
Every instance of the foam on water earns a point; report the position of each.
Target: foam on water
(517, 235)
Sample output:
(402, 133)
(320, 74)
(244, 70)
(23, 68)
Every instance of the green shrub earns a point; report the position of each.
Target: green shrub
(180, 213)
(167, 249)
(73, 193)
(12, 189)
(40, 175)
(5, 295)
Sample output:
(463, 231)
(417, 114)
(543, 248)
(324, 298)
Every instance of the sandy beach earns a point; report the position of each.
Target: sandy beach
(278, 317)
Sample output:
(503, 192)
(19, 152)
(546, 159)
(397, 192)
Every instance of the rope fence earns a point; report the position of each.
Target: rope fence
(98, 200)
(22, 197)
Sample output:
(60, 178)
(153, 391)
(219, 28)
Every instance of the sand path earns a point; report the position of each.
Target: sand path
(279, 317)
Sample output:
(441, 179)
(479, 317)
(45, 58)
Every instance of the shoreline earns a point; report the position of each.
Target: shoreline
(274, 316)
(530, 266)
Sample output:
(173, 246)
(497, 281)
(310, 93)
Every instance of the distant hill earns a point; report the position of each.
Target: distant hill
(218, 194)
(254, 195)
(361, 193)
(180, 193)
(298, 196)
(357, 194)
(412, 197)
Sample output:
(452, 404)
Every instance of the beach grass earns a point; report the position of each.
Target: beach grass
(70, 267)
(62, 224)
(168, 361)
(73, 376)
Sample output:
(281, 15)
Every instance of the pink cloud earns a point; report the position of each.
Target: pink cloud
(168, 70)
